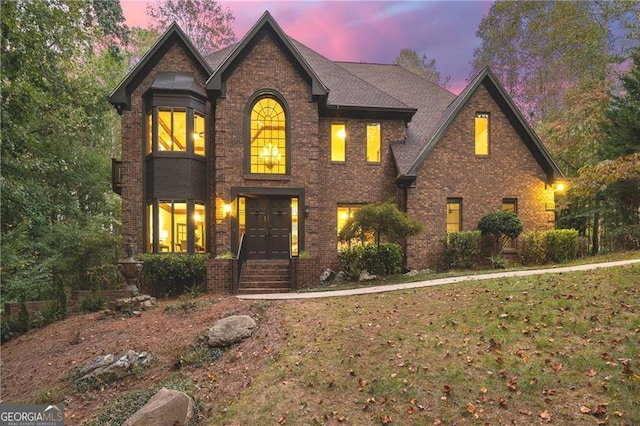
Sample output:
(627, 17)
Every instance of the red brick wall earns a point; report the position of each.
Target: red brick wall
(453, 170)
(133, 153)
(325, 184)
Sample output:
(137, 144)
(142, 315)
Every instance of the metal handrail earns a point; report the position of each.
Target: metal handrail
(242, 258)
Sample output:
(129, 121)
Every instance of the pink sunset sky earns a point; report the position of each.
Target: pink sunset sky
(366, 31)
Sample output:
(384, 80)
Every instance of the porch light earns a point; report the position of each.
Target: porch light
(559, 187)
(226, 209)
(270, 156)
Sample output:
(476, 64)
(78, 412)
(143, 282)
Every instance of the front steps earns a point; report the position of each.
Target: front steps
(265, 276)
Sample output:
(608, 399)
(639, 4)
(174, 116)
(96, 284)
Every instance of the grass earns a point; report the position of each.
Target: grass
(560, 348)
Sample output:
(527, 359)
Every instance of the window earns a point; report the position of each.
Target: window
(268, 144)
(510, 205)
(338, 142)
(482, 134)
(174, 129)
(180, 226)
(454, 214)
(373, 142)
(346, 212)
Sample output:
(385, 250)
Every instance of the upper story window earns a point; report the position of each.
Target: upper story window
(268, 144)
(373, 143)
(482, 134)
(175, 129)
(338, 142)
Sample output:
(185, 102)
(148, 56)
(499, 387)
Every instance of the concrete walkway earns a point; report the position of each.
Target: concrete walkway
(439, 281)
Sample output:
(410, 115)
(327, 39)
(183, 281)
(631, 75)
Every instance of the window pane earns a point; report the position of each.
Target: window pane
(373, 142)
(180, 227)
(268, 137)
(172, 130)
(241, 216)
(482, 134)
(150, 228)
(510, 205)
(149, 132)
(338, 142)
(454, 215)
(294, 227)
(165, 219)
(199, 228)
(198, 134)
(179, 130)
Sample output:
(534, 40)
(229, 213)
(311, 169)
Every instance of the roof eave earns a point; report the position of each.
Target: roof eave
(120, 97)
(215, 82)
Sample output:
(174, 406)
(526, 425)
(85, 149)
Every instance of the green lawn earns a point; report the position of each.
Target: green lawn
(559, 348)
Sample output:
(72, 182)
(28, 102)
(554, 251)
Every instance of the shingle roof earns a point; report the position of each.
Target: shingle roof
(430, 100)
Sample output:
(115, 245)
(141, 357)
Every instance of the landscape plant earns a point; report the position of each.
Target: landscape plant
(460, 250)
(498, 227)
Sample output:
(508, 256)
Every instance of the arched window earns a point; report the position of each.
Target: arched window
(268, 133)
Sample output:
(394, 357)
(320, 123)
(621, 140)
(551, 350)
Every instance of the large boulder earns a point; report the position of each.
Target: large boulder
(167, 407)
(230, 330)
(114, 365)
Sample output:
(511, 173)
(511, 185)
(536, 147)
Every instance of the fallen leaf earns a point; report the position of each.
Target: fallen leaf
(513, 383)
(483, 389)
(471, 408)
(556, 367)
(386, 420)
(546, 416)
(591, 373)
(282, 420)
(585, 410)
(411, 410)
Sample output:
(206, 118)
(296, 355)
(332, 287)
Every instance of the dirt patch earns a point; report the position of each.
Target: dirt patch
(36, 367)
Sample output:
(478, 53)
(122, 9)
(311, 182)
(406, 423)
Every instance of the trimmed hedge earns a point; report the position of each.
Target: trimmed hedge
(166, 275)
(385, 261)
(558, 245)
(461, 249)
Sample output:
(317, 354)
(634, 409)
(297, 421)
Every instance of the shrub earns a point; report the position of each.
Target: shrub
(626, 237)
(533, 250)
(460, 249)
(95, 302)
(561, 244)
(383, 260)
(499, 226)
(350, 260)
(174, 274)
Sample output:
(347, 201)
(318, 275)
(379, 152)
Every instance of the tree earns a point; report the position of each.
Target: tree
(499, 227)
(205, 22)
(60, 60)
(410, 60)
(380, 219)
(539, 50)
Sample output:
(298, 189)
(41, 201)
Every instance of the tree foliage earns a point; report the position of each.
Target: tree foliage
(60, 60)
(380, 219)
(499, 227)
(541, 49)
(422, 66)
(205, 22)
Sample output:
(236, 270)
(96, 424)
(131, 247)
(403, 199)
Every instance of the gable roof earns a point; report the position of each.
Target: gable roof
(121, 95)
(235, 53)
(335, 86)
(438, 108)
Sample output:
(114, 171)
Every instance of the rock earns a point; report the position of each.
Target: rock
(340, 277)
(118, 366)
(230, 330)
(167, 407)
(366, 276)
(411, 273)
(327, 276)
(143, 302)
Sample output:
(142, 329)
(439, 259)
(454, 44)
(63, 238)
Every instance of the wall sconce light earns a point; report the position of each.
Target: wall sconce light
(226, 210)
(307, 210)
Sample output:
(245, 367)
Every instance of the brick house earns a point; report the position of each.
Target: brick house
(263, 148)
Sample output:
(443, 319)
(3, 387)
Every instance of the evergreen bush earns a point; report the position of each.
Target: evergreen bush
(460, 249)
(174, 274)
(561, 244)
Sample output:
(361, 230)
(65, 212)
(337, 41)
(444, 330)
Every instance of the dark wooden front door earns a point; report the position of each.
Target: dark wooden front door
(268, 228)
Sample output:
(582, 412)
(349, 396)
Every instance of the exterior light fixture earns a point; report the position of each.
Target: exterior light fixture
(226, 209)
